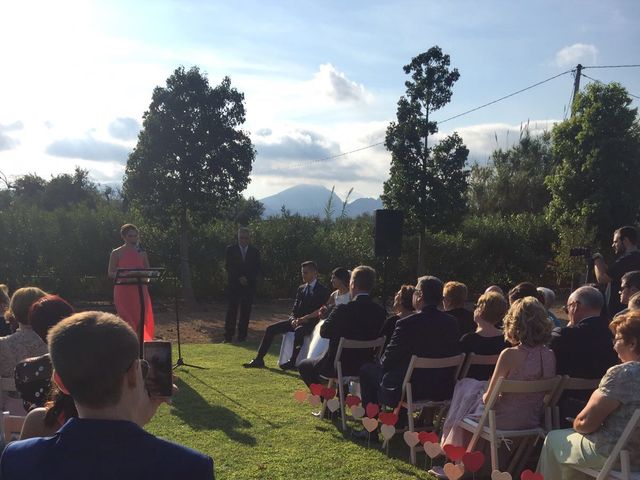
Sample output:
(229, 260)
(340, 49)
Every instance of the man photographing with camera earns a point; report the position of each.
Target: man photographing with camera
(625, 246)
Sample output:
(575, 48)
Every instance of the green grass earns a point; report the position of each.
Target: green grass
(248, 421)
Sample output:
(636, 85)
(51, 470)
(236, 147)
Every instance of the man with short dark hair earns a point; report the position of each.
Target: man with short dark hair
(95, 357)
(360, 319)
(242, 263)
(311, 295)
(629, 286)
(625, 246)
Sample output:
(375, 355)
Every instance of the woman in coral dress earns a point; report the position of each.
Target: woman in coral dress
(126, 296)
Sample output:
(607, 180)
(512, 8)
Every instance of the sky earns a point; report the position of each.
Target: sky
(320, 79)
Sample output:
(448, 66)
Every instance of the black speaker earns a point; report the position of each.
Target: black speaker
(388, 233)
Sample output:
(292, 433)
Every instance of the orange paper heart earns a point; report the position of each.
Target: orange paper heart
(433, 450)
(300, 396)
(370, 424)
(453, 472)
(498, 475)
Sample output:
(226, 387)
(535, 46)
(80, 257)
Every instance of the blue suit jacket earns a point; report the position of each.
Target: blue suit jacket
(101, 450)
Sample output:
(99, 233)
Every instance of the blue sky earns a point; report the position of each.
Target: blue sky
(319, 78)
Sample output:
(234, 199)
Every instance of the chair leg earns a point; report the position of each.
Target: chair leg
(493, 441)
(517, 455)
(342, 412)
(411, 426)
(624, 463)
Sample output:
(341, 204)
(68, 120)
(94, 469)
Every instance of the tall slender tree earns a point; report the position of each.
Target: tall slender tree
(427, 183)
(192, 159)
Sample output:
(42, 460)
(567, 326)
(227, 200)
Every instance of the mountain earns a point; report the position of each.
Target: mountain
(310, 200)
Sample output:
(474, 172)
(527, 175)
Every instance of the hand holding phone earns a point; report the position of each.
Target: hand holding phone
(159, 380)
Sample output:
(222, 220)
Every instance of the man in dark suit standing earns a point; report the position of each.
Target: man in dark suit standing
(311, 295)
(429, 333)
(242, 262)
(360, 319)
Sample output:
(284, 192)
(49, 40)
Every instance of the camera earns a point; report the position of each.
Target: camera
(580, 252)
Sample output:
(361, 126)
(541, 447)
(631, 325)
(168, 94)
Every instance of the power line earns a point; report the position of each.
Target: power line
(613, 66)
(599, 81)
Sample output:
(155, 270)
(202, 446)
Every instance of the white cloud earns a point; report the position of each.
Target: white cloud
(577, 53)
(338, 87)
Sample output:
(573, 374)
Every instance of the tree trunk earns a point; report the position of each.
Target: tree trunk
(185, 269)
(422, 252)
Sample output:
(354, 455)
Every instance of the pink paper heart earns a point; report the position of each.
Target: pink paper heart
(498, 475)
(411, 438)
(453, 472)
(529, 475)
(473, 461)
(387, 431)
(428, 437)
(357, 411)
(314, 400)
(333, 404)
(370, 424)
(316, 389)
(352, 400)
(372, 410)
(453, 452)
(432, 449)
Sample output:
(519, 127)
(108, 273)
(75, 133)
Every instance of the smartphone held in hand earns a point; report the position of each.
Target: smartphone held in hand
(160, 377)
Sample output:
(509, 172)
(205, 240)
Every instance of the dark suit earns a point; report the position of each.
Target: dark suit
(102, 450)
(240, 295)
(304, 304)
(582, 351)
(360, 319)
(429, 333)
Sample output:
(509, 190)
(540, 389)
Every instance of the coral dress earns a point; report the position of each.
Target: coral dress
(127, 298)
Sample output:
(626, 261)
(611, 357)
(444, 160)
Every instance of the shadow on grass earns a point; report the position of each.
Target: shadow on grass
(196, 412)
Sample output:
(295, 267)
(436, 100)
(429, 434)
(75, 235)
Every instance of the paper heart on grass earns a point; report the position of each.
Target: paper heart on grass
(314, 400)
(453, 452)
(387, 431)
(352, 400)
(372, 409)
(473, 461)
(333, 404)
(316, 389)
(529, 475)
(370, 424)
(411, 438)
(453, 472)
(428, 437)
(388, 418)
(300, 396)
(357, 411)
(498, 475)
(433, 450)
(328, 393)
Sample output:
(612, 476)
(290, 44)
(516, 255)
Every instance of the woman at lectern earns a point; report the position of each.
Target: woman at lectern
(126, 296)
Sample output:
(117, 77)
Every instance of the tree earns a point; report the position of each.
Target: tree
(513, 180)
(192, 160)
(597, 153)
(428, 183)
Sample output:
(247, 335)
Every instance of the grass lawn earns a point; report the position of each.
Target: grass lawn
(248, 421)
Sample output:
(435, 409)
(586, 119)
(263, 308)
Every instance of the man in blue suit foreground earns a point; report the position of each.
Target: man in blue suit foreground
(95, 356)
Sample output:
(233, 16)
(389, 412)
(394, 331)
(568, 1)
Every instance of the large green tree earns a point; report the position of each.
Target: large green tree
(428, 183)
(192, 159)
(597, 154)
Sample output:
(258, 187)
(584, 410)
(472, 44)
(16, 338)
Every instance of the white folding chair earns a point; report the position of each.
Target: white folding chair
(407, 401)
(286, 348)
(486, 427)
(11, 426)
(607, 471)
(10, 397)
(569, 383)
(340, 379)
(477, 359)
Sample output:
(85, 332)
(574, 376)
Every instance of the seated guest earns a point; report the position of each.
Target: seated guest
(402, 306)
(24, 343)
(598, 427)
(95, 356)
(305, 315)
(45, 421)
(496, 289)
(487, 339)
(454, 299)
(33, 380)
(634, 303)
(527, 327)
(427, 333)
(47, 312)
(360, 319)
(629, 286)
(522, 290)
(340, 278)
(5, 328)
(548, 297)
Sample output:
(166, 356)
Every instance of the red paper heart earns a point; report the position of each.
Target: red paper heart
(388, 418)
(372, 410)
(328, 393)
(353, 400)
(428, 437)
(473, 461)
(316, 389)
(454, 453)
(529, 475)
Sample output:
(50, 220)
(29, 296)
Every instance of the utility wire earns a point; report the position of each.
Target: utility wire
(612, 66)
(598, 81)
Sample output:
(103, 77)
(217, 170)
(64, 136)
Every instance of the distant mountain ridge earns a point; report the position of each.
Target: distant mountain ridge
(311, 200)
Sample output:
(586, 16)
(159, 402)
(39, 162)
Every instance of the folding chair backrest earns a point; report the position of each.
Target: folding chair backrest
(422, 362)
(7, 384)
(11, 426)
(477, 359)
(346, 343)
(615, 452)
(573, 383)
